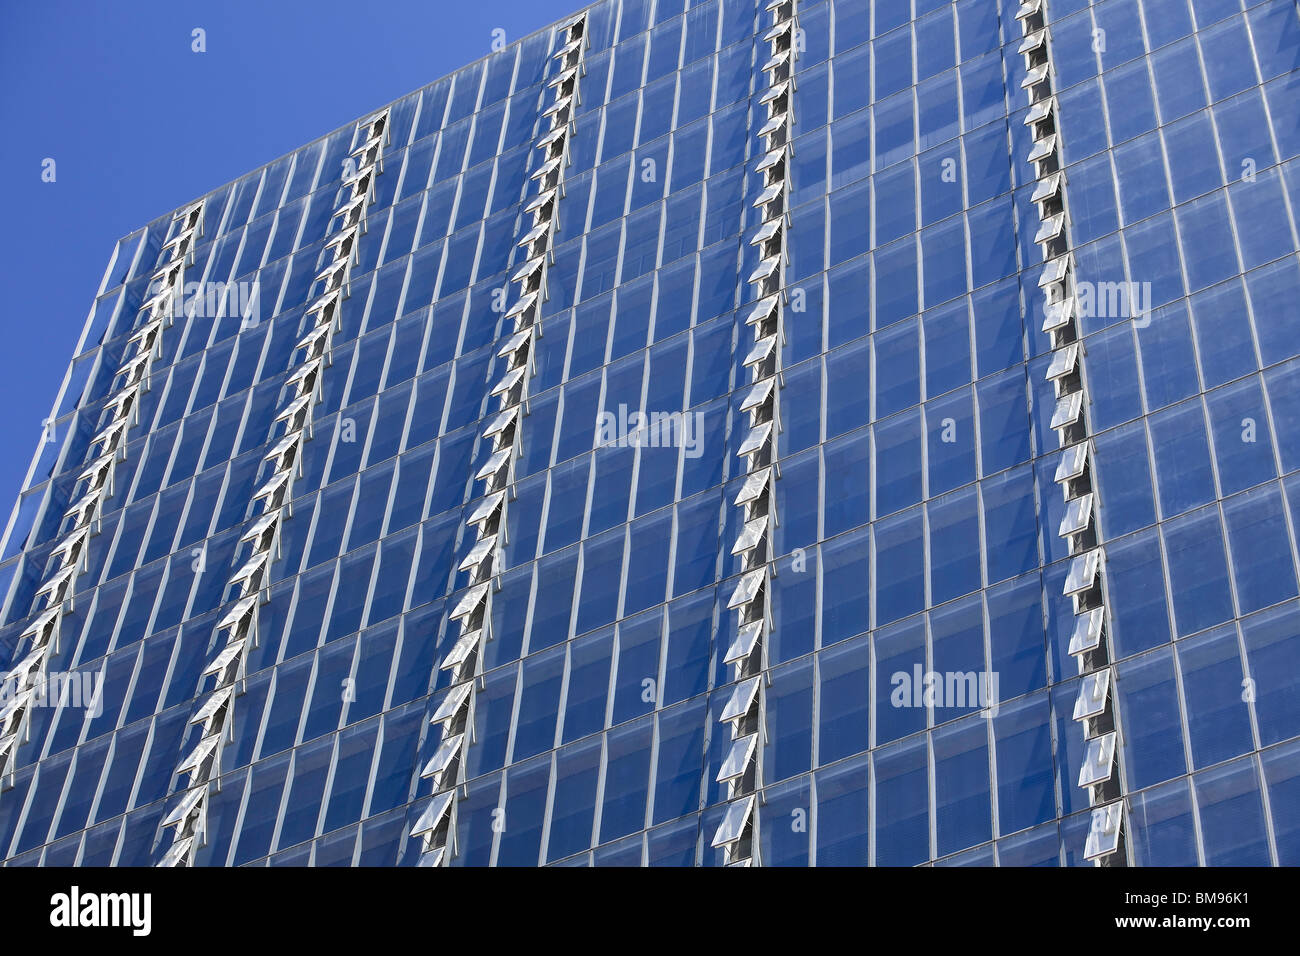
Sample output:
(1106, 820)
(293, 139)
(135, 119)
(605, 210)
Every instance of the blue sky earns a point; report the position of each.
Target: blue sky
(137, 124)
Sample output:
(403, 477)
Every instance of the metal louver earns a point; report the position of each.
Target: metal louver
(95, 480)
(1084, 584)
(501, 445)
(741, 770)
(237, 628)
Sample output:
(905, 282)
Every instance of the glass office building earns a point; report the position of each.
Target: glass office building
(514, 477)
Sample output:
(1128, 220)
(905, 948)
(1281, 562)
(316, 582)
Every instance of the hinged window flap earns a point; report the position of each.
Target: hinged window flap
(1087, 631)
(470, 602)
(340, 237)
(18, 676)
(1074, 459)
(199, 754)
(1078, 515)
(251, 568)
(765, 309)
(1092, 695)
(238, 614)
(332, 270)
(117, 405)
(1051, 228)
(1103, 836)
(487, 508)
(82, 509)
(225, 658)
(734, 822)
(443, 756)
(1032, 42)
(1098, 761)
(180, 850)
(95, 470)
(561, 103)
(564, 76)
(313, 338)
(1040, 111)
(305, 371)
(761, 350)
(1083, 572)
(765, 269)
(349, 206)
(741, 700)
(523, 305)
(548, 167)
(70, 544)
(434, 814)
(1063, 361)
(452, 703)
(772, 158)
(1043, 148)
(758, 395)
(461, 650)
(53, 588)
(145, 331)
(1028, 9)
(746, 589)
(777, 61)
(535, 233)
(220, 697)
(757, 438)
(775, 92)
(743, 645)
(570, 47)
(554, 135)
(750, 535)
(107, 437)
(1035, 76)
(284, 446)
(508, 381)
(185, 808)
(766, 231)
(1067, 410)
(738, 758)
(540, 200)
(1058, 314)
(515, 342)
(769, 194)
(755, 484)
(481, 551)
(1053, 271)
(529, 269)
(774, 125)
(501, 422)
(494, 464)
(1047, 187)
(14, 703)
(42, 622)
(273, 484)
(294, 409)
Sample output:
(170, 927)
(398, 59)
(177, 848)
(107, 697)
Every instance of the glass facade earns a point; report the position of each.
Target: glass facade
(915, 506)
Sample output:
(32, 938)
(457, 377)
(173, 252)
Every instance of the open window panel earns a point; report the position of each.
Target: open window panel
(1104, 833)
(373, 126)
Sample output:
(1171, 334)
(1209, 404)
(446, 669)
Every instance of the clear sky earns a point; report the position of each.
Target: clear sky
(138, 123)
